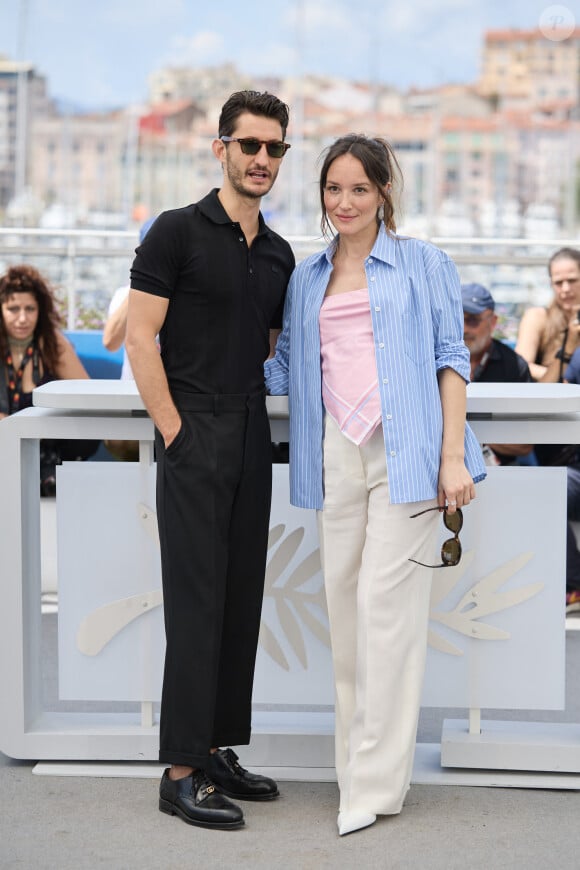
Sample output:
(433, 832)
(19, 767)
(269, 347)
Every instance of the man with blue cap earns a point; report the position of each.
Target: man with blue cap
(492, 361)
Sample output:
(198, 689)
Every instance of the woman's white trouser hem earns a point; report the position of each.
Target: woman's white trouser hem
(378, 607)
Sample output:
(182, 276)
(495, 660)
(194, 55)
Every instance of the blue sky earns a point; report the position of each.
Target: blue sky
(100, 54)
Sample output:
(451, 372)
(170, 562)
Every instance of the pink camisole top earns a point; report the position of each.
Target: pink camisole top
(350, 389)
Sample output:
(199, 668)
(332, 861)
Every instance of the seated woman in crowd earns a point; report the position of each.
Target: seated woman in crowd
(33, 351)
(548, 338)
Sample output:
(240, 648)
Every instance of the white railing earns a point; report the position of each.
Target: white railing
(86, 266)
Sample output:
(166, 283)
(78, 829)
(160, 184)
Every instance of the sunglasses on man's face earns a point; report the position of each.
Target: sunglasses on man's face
(451, 549)
(252, 146)
(474, 320)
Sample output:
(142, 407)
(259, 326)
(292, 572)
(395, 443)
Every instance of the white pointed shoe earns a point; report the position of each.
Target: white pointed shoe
(354, 821)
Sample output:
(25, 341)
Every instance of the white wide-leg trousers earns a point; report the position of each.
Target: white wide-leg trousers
(378, 606)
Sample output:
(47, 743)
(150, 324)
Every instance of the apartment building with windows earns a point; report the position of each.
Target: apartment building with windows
(524, 69)
(23, 101)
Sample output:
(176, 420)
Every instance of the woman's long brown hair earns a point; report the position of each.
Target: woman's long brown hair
(27, 279)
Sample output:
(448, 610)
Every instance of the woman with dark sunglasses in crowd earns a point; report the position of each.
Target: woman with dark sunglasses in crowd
(33, 351)
(373, 361)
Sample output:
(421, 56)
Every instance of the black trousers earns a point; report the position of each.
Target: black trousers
(214, 488)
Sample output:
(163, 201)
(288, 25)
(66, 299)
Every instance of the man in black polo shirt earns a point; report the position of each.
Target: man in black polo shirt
(492, 361)
(211, 279)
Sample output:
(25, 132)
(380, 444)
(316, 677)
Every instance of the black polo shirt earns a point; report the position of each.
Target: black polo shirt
(223, 296)
(503, 366)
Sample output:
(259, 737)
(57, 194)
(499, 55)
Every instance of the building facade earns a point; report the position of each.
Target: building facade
(476, 158)
(23, 100)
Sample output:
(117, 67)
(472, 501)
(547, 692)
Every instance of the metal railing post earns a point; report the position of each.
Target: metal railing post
(71, 283)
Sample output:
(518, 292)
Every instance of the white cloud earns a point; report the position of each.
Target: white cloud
(204, 48)
(135, 15)
(422, 16)
(276, 59)
(401, 42)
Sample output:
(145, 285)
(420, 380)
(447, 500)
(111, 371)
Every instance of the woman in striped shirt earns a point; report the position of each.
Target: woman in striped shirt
(373, 361)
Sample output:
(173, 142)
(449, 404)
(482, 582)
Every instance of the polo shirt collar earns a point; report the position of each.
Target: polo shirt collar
(212, 208)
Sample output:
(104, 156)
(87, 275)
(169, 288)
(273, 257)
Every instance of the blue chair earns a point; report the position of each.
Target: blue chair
(99, 362)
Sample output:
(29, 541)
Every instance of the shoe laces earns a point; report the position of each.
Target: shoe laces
(232, 759)
(200, 780)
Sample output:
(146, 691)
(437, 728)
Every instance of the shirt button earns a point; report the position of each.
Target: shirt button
(389, 416)
(377, 307)
(370, 259)
(241, 239)
(385, 380)
(372, 277)
(393, 453)
(381, 343)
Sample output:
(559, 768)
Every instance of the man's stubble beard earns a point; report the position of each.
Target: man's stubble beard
(236, 180)
(478, 346)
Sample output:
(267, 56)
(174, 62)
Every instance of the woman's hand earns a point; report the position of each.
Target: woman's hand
(573, 337)
(456, 488)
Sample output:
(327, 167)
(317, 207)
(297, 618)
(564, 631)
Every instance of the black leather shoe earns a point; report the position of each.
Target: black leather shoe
(236, 782)
(196, 800)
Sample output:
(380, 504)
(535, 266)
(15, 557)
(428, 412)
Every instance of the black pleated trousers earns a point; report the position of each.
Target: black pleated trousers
(214, 487)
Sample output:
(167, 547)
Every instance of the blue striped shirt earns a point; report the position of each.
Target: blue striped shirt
(417, 321)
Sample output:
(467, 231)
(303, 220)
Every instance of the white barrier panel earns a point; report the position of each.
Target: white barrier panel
(111, 637)
(497, 628)
(497, 619)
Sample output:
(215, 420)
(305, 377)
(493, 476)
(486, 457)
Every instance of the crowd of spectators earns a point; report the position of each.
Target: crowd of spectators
(547, 351)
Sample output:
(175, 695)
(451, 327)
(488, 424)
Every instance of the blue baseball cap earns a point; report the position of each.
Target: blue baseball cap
(476, 298)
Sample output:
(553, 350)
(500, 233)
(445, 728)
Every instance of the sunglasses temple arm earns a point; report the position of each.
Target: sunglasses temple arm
(426, 511)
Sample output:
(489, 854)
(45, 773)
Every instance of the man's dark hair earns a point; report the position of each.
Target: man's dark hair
(257, 104)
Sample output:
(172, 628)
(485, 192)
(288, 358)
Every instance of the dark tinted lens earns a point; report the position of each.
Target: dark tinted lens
(453, 522)
(276, 149)
(451, 552)
(249, 146)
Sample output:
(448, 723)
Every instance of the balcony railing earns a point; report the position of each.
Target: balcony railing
(86, 266)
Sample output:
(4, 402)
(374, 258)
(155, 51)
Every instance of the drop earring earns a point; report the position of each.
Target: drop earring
(381, 212)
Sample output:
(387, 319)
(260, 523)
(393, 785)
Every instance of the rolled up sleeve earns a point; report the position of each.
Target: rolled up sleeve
(447, 311)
